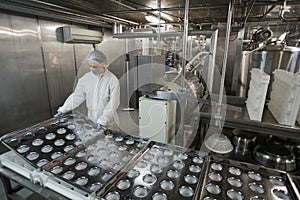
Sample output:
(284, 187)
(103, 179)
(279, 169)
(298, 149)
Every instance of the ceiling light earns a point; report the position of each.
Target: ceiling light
(153, 19)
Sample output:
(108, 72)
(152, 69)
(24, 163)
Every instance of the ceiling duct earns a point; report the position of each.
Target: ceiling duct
(77, 35)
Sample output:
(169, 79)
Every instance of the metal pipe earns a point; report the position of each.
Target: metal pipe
(163, 34)
(228, 30)
(184, 42)
(281, 13)
(37, 4)
(158, 32)
(258, 3)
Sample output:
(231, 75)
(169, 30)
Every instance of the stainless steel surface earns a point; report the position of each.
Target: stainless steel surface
(23, 87)
(231, 179)
(275, 156)
(162, 172)
(244, 141)
(77, 153)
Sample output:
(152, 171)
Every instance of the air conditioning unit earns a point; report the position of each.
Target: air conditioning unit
(78, 35)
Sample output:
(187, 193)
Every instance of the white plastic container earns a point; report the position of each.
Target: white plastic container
(285, 97)
(257, 94)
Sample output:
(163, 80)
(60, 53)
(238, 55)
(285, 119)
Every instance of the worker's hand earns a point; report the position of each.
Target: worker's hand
(100, 127)
(58, 114)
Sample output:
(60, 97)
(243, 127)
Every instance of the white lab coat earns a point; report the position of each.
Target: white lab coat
(102, 95)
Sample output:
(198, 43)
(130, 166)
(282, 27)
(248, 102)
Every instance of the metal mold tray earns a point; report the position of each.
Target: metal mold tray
(236, 180)
(161, 172)
(73, 150)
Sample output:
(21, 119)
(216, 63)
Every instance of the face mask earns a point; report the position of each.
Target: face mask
(95, 71)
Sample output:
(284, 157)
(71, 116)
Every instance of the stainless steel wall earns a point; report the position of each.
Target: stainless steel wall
(37, 72)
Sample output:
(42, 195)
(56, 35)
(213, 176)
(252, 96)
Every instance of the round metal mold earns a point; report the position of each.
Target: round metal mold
(209, 198)
(213, 189)
(194, 168)
(256, 198)
(104, 162)
(81, 180)
(92, 158)
(14, 142)
(23, 148)
(28, 136)
(234, 171)
(134, 151)
(186, 191)
(109, 136)
(178, 164)
(69, 161)
(69, 148)
(50, 136)
(140, 191)
(68, 175)
(95, 186)
(119, 139)
(155, 149)
(149, 179)
(78, 142)
(156, 169)
(256, 188)
(168, 152)
(112, 196)
(111, 144)
(183, 156)
(46, 149)
(215, 176)
(123, 184)
(281, 194)
(276, 181)
(159, 196)
(117, 166)
(42, 162)
(198, 160)
(235, 182)
(94, 171)
(234, 195)
(167, 185)
(106, 176)
(113, 154)
(172, 173)
(56, 155)
(129, 142)
(148, 156)
(61, 131)
(71, 126)
(81, 154)
(133, 173)
(37, 142)
(81, 166)
(59, 142)
(162, 160)
(32, 156)
(70, 136)
(216, 166)
(254, 176)
(141, 144)
(123, 148)
(142, 164)
(190, 179)
(56, 169)
(126, 158)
